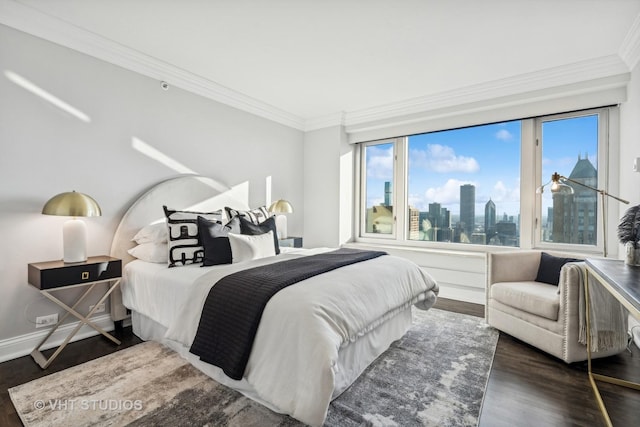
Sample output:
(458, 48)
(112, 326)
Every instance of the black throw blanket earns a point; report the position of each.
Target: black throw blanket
(234, 306)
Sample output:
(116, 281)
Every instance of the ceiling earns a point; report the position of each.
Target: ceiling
(307, 59)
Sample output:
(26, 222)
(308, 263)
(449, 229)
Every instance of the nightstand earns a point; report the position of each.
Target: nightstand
(290, 242)
(53, 276)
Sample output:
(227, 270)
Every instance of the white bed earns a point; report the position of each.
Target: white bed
(300, 375)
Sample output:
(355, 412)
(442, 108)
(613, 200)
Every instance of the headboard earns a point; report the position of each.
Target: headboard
(189, 192)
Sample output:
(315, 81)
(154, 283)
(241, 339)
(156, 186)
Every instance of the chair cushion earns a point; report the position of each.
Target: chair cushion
(536, 298)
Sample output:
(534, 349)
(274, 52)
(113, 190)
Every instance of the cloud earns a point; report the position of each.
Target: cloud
(501, 193)
(504, 135)
(380, 162)
(442, 159)
(449, 193)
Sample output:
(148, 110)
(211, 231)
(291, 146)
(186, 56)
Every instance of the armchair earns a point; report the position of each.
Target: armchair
(543, 315)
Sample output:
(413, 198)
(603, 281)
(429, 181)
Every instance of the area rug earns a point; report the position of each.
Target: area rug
(434, 376)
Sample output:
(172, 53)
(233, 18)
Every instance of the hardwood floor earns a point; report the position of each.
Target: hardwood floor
(526, 387)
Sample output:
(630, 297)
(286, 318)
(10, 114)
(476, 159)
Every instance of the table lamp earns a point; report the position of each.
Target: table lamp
(279, 207)
(74, 231)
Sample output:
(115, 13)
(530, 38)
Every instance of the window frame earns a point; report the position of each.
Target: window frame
(530, 179)
(603, 181)
(395, 191)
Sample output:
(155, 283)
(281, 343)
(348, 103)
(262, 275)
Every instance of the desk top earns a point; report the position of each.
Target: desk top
(624, 279)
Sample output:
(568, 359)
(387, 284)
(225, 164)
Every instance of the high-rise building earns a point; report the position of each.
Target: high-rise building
(440, 223)
(489, 219)
(575, 215)
(387, 193)
(414, 223)
(468, 208)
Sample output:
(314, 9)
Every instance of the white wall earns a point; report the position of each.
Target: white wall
(328, 187)
(45, 151)
(630, 143)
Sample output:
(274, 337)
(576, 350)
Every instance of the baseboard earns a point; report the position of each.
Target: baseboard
(459, 293)
(23, 345)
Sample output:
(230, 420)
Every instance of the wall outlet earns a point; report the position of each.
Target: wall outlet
(100, 308)
(43, 321)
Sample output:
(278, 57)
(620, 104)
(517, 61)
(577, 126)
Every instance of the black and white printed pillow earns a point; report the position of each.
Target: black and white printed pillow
(256, 216)
(184, 243)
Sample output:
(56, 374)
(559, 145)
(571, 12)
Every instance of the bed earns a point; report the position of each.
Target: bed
(315, 337)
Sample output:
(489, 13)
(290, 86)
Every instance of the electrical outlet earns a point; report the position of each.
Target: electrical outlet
(100, 308)
(43, 321)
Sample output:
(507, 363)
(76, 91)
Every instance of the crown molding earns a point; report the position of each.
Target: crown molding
(39, 24)
(570, 74)
(335, 119)
(630, 49)
(599, 73)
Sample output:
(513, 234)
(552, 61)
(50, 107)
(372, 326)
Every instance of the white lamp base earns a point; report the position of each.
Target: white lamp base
(74, 238)
(281, 226)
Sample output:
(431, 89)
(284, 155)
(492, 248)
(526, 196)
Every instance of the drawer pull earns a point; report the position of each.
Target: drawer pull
(85, 275)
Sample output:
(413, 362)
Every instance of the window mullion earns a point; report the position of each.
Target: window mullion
(400, 189)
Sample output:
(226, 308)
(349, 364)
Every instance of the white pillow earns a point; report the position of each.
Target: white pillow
(153, 233)
(151, 252)
(245, 247)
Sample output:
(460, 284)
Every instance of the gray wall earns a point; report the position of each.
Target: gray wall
(45, 151)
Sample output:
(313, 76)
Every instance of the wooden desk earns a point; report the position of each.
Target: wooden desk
(623, 282)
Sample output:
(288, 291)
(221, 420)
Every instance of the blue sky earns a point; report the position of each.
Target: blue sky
(486, 156)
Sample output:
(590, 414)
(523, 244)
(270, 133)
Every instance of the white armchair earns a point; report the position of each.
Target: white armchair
(543, 315)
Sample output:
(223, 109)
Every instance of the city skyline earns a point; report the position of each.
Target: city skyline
(487, 157)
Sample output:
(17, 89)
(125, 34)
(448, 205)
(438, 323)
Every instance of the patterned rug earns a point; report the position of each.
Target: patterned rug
(434, 376)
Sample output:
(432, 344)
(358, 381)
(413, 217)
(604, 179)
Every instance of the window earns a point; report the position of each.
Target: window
(456, 191)
(570, 148)
(473, 185)
(378, 188)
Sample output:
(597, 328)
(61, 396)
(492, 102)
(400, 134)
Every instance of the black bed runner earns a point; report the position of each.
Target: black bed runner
(234, 306)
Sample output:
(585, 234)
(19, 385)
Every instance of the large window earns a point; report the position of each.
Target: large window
(474, 185)
(464, 185)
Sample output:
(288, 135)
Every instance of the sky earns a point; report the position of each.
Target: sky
(486, 156)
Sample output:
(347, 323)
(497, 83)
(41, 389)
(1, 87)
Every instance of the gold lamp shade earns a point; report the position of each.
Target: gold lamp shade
(281, 206)
(72, 204)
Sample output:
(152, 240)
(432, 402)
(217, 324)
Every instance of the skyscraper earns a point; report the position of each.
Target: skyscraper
(489, 219)
(387, 193)
(575, 215)
(468, 207)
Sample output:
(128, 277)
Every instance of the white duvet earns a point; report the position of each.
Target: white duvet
(295, 352)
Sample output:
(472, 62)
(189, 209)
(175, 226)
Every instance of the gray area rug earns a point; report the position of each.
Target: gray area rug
(434, 376)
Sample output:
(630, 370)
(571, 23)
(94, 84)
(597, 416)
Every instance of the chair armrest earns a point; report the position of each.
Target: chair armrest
(571, 277)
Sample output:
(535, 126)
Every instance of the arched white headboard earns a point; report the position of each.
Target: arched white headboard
(187, 192)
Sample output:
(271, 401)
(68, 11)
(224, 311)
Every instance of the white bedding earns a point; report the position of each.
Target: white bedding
(295, 354)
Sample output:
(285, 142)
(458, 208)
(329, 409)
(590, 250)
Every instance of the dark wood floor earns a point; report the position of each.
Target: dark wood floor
(526, 387)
